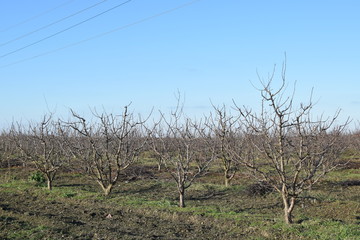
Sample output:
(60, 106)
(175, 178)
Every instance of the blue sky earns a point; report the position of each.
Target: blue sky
(209, 50)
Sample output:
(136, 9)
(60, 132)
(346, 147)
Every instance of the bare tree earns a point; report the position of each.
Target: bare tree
(353, 140)
(185, 147)
(225, 129)
(108, 146)
(290, 150)
(158, 144)
(41, 145)
(4, 147)
(5, 150)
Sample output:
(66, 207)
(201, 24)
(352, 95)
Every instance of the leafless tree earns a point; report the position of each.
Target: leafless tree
(108, 146)
(290, 149)
(41, 145)
(8, 153)
(158, 145)
(225, 128)
(353, 140)
(185, 147)
(4, 147)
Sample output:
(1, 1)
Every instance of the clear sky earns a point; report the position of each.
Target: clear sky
(209, 50)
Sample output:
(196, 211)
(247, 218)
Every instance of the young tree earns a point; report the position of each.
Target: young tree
(108, 146)
(185, 147)
(290, 149)
(41, 145)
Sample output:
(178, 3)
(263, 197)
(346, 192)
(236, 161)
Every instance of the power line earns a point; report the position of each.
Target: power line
(53, 23)
(104, 34)
(36, 16)
(64, 30)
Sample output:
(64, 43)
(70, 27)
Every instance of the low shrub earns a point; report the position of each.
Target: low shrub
(37, 177)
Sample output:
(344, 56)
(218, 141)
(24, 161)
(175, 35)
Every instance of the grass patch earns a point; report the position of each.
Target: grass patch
(35, 233)
(318, 229)
(343, 174)
(15, 185)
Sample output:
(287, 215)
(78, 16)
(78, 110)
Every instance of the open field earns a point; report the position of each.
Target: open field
(143, 205)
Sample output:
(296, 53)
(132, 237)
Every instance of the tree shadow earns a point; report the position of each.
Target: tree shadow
(208, 195)
(265, 207)
(142, 189)
(72, 185)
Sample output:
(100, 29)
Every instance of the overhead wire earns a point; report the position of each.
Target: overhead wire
(36, 16)
(51, 24)
(105, 33)
(64, 30)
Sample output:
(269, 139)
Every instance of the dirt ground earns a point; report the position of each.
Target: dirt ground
(82, 219)
(32, 213)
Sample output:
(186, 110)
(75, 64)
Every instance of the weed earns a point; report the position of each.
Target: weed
(69, 195)
(38, 178)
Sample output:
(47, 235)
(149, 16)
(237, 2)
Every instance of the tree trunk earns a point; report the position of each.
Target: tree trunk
(287, 216)
(181, 197)
(228, 177)
(49, 180)
(106, 189)
(49, 184)
(289, 205)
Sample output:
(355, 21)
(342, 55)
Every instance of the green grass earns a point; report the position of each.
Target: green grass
(15, 185)
(34, 233)
(343, 175)
(319, 229)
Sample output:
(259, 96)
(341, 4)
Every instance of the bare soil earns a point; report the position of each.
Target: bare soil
(94, 220)
(38, 215)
